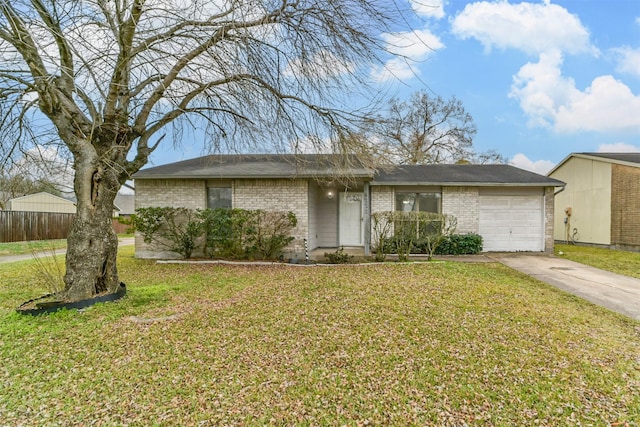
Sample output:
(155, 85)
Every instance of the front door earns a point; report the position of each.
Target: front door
(351, 221)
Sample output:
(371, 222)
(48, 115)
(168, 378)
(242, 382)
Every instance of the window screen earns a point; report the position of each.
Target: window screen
(219, 198)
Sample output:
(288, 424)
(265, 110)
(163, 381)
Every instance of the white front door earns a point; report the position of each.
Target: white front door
(351, 221)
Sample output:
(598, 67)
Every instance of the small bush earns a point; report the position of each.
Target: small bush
(405, 233)
(246, 234)
(175, 229)
(338, 257)
(460, 244)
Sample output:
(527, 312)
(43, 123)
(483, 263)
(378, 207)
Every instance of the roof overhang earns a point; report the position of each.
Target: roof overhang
(466, 184)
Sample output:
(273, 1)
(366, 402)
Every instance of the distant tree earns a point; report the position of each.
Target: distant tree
(108, 79)
(427, 129)
(19, 185)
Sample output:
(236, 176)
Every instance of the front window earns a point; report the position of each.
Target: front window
(418, 202)
(412, 224)
(219, 198)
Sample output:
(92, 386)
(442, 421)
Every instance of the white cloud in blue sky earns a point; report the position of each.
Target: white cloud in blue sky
(618, 147)
(560, 107)
(541, 79)
(531, 27)
(628, 60)
(412, 47)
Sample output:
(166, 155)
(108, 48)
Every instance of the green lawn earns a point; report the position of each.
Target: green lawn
(621, 262)
(394, 344)
(18, 248)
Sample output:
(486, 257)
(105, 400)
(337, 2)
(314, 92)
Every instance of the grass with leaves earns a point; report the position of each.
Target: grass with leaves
(621, 262)
(19, 248)
(387, 344)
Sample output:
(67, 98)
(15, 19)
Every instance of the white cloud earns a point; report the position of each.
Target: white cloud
(428, 8)
(618, 147)
(550, 99)
(411, 47)
(606, 105)
(530, 27)
(540, 166)
(628, 60)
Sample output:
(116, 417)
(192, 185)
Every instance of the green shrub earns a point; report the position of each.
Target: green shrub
(271, 233)
(226, 230)
(338, 257)
(175, 229)
(246, 234)
(461, 244)
(413, 232)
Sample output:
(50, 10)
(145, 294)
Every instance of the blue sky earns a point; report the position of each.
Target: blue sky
(541, 79)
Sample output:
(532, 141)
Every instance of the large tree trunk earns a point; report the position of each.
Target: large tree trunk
(92, 245)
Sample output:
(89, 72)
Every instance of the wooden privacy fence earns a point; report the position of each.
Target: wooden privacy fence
(27, 226)
(17, 226)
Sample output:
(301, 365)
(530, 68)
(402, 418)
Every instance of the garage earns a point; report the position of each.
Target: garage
(511, 220)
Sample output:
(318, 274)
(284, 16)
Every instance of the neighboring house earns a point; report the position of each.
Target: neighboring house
(41, 202)
(124, 205)
(511, 208)
(603, 195)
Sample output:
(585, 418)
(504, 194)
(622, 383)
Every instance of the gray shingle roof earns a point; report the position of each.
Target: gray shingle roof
(476, 175)
(257, 166)
(125, 203)
(321, 166)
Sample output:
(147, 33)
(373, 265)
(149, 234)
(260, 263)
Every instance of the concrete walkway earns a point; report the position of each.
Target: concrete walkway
(126, 241)
(610, 290)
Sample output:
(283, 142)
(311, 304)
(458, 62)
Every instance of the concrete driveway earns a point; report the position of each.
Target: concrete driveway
(610, 290)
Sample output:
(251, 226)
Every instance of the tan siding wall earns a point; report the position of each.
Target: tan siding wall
(588, 193)
(463, 203)
(625, 205)
(313, 217)
(327, 213)
(41, 202)
(277, 195)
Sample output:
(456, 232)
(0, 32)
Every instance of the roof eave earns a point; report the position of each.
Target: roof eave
(469, 184)
(171, 176)
(590, 157)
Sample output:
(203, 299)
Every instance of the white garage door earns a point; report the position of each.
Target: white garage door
(510, 223)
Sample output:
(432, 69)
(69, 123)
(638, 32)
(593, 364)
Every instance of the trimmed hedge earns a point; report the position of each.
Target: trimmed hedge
(460, 244)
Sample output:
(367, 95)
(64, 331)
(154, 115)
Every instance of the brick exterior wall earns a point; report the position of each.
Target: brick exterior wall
(463, 203)
(625, 206)
(277, 195)
(549, 219)
(381, 198)
(187, 193)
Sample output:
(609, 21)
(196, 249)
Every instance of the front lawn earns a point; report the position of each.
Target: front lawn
(621, 262)
(19, 248)
(394, 344)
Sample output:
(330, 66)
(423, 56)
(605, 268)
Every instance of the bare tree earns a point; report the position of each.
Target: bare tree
(110, 78)
(21, 185)
(426, 129)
